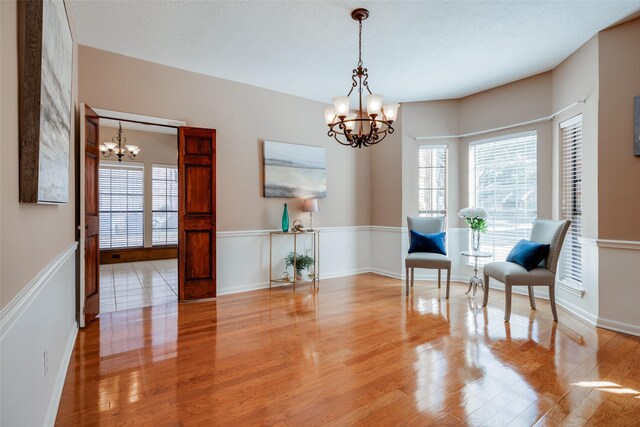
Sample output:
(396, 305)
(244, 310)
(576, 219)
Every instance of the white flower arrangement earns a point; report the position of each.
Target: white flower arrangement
(476, 218)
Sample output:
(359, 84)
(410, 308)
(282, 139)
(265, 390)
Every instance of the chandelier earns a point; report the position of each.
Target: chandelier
(360, 129)
(119, 147)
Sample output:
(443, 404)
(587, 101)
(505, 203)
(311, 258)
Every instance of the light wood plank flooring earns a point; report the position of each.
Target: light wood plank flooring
(357, 352)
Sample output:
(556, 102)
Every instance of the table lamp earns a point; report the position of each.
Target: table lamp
(311, 206)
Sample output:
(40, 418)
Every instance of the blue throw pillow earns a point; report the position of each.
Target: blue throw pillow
(431, 243)
(528, 254)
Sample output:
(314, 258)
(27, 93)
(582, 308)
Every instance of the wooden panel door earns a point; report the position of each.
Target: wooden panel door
(196, 213)
(91, 220)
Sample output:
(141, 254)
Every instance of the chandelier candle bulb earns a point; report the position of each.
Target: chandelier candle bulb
(390, 112)
(341, 106)
(329, 115)
(374, 104)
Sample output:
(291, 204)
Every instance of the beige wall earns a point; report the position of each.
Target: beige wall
(386, 181)
(430, 118)
(243, 116)
(576, 79)
(32, 235)
(517, 102)
(619, 169)
(155, 148)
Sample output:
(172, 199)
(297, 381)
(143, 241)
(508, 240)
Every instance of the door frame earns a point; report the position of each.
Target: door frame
(102, 114)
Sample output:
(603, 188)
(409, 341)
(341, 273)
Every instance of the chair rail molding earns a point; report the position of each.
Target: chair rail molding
(12, 312)
(619, 244)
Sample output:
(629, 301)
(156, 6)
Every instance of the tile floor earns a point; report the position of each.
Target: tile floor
(138, 284)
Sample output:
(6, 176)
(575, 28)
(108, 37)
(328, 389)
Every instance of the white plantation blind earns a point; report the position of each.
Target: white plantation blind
(432, 180)
(165, 205)
(503, 181)
(571, 208)
(121, 192)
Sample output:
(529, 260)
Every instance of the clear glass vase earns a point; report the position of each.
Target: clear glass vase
(475, 240)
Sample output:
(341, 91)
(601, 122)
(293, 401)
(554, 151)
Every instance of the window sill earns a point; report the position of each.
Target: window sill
(571, 288)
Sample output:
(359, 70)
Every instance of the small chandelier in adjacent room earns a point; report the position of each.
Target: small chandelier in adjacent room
(119, 147)
(360, 129)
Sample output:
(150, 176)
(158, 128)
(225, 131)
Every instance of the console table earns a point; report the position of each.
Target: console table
(315, 276)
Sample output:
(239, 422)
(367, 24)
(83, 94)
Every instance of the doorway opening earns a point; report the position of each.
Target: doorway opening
(138, 216)
(146, 216)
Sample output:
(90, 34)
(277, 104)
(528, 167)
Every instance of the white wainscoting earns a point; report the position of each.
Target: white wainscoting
(619, 285)
(243, 256)
(42, 316)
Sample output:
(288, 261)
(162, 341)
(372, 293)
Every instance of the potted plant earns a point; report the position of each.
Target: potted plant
(302, 262)
(476, 219)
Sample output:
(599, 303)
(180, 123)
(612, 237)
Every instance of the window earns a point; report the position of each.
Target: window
(432, 180)
(121, 205)
(503, 181)
(165, 205)
(571, 208)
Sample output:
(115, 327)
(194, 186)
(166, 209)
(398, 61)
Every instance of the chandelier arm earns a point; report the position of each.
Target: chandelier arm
(365, 83)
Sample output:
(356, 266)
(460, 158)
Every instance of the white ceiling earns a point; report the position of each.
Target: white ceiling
(418, 50)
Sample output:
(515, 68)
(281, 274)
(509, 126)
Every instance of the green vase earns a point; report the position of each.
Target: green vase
(285, 219)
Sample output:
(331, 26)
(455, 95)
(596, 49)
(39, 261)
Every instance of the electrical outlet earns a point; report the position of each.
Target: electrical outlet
(45, 357)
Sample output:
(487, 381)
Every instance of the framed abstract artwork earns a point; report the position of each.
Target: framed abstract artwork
(45, 121)
(294, 170)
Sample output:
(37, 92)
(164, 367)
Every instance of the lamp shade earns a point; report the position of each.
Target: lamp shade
(374, 104)
(351, 124)
(341, 106)
(310, 205)
(390, 111)
(329, 115)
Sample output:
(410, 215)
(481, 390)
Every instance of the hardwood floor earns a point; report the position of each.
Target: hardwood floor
(357, 352)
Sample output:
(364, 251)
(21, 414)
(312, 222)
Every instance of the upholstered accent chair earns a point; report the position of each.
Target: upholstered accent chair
(424, 259)
(511, 274)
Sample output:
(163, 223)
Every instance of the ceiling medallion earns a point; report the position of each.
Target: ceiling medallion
(360, 129)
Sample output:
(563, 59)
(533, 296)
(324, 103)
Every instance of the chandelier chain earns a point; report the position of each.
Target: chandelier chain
(360, 43)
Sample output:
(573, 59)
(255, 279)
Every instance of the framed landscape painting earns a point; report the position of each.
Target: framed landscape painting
(294, 170)
(45, 129)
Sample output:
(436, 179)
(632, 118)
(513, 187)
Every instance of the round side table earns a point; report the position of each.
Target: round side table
(475, 281)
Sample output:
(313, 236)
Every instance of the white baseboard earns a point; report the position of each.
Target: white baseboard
(577, 311)
(625, 328)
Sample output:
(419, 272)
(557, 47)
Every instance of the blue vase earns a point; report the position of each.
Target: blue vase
(285, 219)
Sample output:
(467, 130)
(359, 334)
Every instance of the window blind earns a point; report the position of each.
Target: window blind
(503, 181)
(121, 197)
(571, 260)
(432, 180)
(165, 205)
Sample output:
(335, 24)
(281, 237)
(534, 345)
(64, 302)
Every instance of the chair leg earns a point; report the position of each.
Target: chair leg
(448, 281)
(413, 276)
(532, 299)
(485, 298)
(552, 301)
(507, 303)
(439, 278)
(406, 279)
